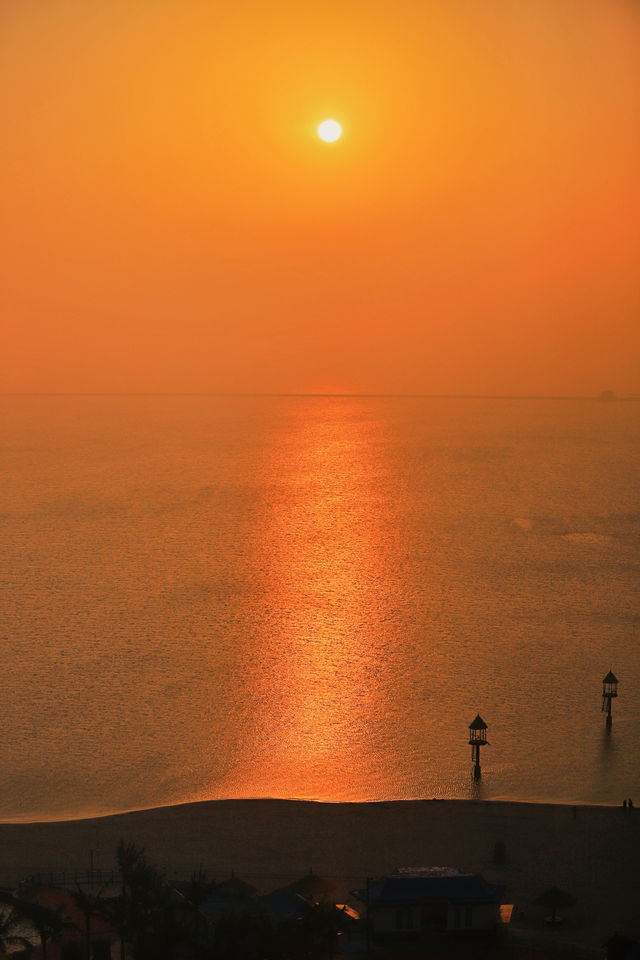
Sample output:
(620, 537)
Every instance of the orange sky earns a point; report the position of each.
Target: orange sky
(171, 222)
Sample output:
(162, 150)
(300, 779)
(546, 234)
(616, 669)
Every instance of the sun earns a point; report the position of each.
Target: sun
(329, 131)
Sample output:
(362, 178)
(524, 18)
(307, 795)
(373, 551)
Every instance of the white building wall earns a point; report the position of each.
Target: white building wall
(476, 916)
(473, 916)
(385, 920)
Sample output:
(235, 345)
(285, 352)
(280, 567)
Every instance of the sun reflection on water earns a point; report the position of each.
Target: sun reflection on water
(322, 641)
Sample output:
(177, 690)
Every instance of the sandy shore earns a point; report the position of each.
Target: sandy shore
(592, 852)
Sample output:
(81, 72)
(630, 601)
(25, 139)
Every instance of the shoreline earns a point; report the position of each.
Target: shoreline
(591, 851)
(194, 804)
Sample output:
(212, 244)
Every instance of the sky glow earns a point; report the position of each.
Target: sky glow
(170, 220)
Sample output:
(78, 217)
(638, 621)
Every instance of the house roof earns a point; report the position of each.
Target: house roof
(436, 884)
(620, 947)
(285, 905)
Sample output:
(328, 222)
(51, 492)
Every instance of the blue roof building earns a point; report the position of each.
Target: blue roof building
(414, 901)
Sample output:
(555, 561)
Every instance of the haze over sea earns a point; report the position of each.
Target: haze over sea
(312, 597)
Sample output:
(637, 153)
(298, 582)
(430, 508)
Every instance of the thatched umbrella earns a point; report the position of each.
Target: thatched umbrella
(554, 898)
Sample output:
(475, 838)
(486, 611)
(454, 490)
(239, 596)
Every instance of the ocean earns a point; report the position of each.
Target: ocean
(312, 597)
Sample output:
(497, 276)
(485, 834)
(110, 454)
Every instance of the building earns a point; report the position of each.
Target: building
(414, 901)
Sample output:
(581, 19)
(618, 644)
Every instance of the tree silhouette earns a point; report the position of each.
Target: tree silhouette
(89, 904)
(48, 923)
(140, 886)
(148, 914)
(11, 921)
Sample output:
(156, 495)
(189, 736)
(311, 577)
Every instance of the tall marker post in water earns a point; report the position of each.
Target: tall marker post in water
(609, 691)
(477, 739)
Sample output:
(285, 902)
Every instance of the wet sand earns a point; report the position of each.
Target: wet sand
(591, 852)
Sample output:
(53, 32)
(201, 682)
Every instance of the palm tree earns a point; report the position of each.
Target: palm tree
(48, 923)
(140, 882)
(145, 913)
(89, 904)
(11, 921)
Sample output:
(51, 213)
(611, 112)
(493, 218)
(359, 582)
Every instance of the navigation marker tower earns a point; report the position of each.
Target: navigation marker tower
(609, 691)
(477, 739)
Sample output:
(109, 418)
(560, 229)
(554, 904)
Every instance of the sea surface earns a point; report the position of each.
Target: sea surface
(312, 597)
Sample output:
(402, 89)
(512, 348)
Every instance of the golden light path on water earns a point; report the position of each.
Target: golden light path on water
(322, 582)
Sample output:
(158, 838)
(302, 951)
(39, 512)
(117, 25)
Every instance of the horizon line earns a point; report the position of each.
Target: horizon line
(289, 394)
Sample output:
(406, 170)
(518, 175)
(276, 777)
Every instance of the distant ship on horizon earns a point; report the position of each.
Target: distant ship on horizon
(610, 395)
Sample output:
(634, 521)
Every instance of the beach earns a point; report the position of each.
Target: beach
(592, 852)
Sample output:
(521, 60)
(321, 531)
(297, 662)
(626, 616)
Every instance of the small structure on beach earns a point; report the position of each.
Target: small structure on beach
(620, 947)
(418, 901)
(552, 899)
(477, 739)
(609, 691)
